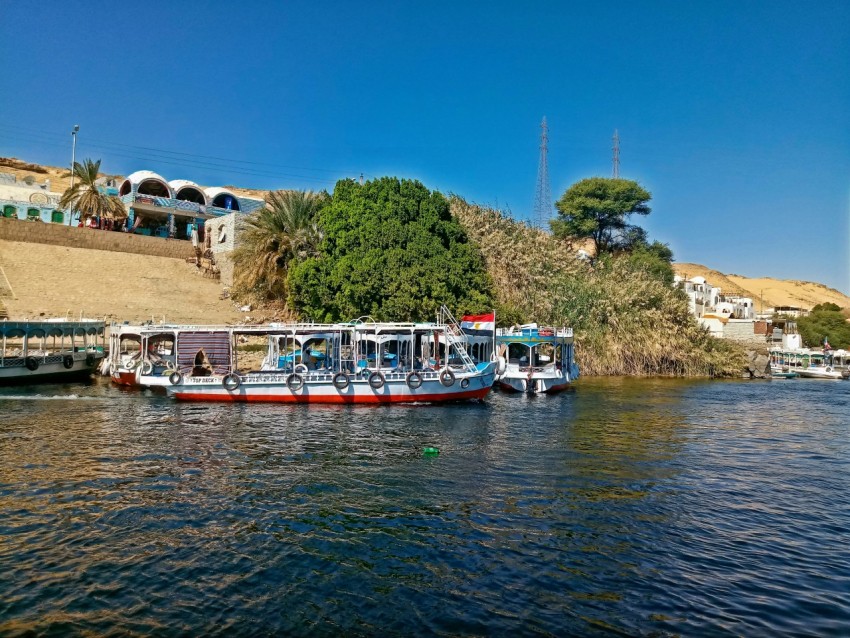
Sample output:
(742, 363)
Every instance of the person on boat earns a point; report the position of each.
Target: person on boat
(202, 367)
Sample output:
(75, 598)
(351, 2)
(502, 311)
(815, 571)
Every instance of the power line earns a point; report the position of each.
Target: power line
(177, 158)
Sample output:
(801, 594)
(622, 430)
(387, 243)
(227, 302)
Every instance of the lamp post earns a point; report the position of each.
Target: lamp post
(73, 161)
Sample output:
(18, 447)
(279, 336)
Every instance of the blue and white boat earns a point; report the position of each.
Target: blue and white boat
(535, 360)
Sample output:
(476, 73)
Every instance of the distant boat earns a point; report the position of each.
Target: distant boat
(51, 350)
(820, 372)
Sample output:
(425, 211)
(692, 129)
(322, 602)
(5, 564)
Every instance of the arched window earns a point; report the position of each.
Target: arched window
(10, 211)
(33, 213)
(57, 217)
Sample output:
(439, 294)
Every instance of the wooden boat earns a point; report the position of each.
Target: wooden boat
(358, 362)
(51, 350)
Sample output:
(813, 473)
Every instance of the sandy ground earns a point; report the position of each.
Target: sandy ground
(54, 281)
(773, 292)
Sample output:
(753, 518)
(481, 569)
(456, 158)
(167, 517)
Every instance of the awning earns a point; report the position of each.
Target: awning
(162, 212)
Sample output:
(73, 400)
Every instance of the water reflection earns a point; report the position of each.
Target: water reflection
(627, 506)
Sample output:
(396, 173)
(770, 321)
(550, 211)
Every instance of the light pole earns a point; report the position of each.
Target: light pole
(73, 161)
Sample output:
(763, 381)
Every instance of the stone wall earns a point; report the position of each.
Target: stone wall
(73, 237)
(222, 232)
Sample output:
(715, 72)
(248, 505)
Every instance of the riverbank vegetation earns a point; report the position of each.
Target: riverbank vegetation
(394, 250)
(826, 322)
(627, 317)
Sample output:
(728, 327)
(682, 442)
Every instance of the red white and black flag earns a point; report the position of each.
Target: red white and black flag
(479, 324)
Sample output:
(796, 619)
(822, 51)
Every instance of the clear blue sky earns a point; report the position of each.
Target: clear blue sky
(735, 115)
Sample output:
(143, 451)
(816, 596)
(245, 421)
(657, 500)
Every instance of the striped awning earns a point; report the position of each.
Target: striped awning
(216, 347)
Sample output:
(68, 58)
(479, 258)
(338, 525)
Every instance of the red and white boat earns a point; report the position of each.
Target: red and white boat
(358, 362)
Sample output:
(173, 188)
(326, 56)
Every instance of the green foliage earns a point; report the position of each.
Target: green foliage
(654, 258)
(598, 208)
(391, 250)
(627, 317)
(85, 197)
(272, 238)
(826, 306)
(825, 320)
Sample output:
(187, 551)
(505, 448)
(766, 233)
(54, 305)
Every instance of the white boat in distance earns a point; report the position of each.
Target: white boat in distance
(358, 362)
(51, 350)
(820, 372)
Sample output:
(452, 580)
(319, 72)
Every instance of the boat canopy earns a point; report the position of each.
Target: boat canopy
(38, 329)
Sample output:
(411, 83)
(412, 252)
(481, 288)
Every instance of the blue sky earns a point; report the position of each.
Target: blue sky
(735, 115)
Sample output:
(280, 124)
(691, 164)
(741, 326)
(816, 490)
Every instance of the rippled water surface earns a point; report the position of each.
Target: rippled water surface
(627, 507)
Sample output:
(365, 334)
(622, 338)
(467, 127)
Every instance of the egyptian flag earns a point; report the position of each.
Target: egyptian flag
(479, 325)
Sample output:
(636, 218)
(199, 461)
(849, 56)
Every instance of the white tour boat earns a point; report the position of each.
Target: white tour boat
(535, 359)
(51, 350)
(357, 362)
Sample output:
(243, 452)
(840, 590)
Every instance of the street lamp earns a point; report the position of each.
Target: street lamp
(73, 161)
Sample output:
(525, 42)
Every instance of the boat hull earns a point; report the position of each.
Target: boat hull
(534, 385)
(50, 370)
(272, 388)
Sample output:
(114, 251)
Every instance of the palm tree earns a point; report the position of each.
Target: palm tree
(85, 197)
(271, 238)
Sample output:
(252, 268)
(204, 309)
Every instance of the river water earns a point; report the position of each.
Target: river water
(625, 507)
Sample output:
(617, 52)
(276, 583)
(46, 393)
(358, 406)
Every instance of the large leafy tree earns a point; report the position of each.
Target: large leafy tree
(598, 208)
(825, 321)
(283, 231)
(85, 197)
(392, 250)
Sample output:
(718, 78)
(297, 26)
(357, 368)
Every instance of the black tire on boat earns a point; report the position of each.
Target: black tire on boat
(231, 382)
(68, 361)
(414, 380)
(89, 360)
(376, 380)
(464, 383)
(447, 377)
(294, 382)
(175, 378)
(341, 380)
(31, 363)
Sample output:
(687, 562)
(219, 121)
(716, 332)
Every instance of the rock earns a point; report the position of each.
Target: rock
(758, 364)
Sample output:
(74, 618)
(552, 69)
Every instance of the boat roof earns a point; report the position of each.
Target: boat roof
(51, 328)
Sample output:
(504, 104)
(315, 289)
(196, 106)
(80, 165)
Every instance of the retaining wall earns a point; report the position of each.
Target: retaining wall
(58, 235)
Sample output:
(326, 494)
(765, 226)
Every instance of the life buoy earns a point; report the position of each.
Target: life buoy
(828, 368)
(175, 378)
(68, 361)
(294, 382)
(341, 380)
(447, 378)
(231, 382)
(464, 383)
(147, 367)
(414, 380)
(301, 369)
(376, 380)
(89, 359)
(31, 363)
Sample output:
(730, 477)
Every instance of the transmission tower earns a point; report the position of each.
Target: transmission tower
(543, 196)
(616, 159)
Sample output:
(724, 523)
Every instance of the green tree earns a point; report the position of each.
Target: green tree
(391, 250)
(86, 198)
(655, 258)
(272, 238)
(598, 208)
(825, 321)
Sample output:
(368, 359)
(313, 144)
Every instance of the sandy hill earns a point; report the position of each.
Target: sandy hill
(772, 292)
(54, 281)
(60, 178)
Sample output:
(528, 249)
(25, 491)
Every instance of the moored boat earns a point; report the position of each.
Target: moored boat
(51, 350)
(536, 360)
(358, 362)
